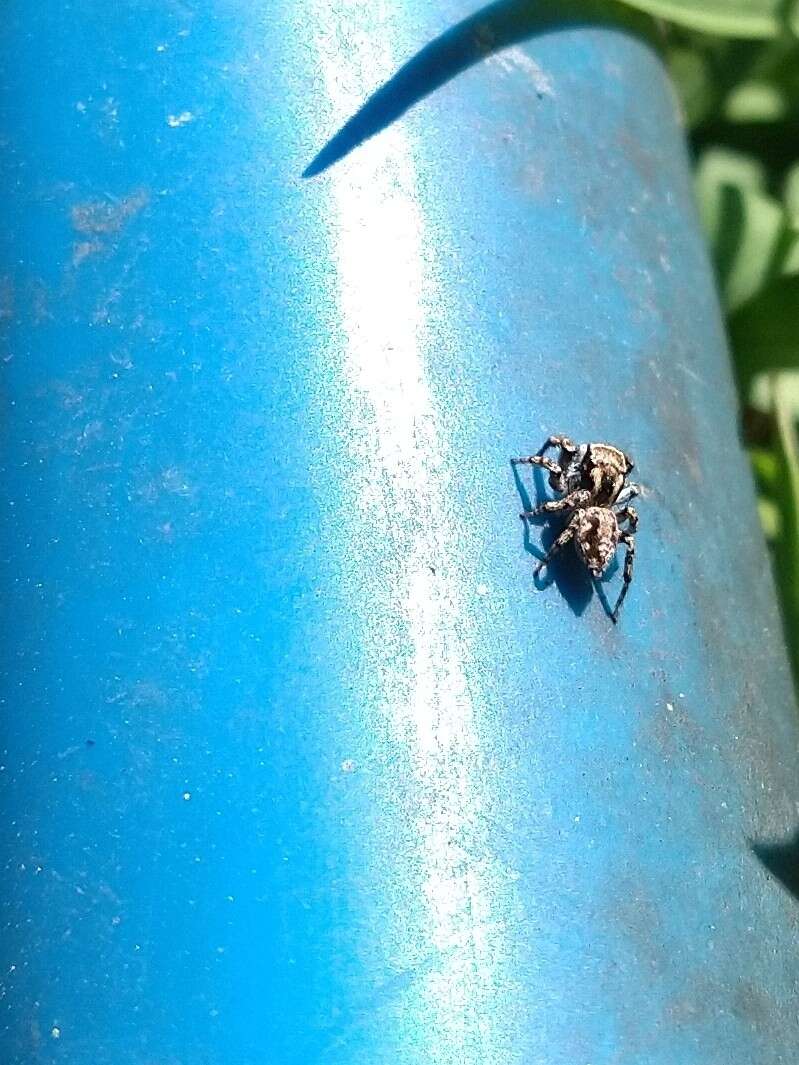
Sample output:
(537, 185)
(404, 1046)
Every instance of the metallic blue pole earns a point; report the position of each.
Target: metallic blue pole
(300, 765)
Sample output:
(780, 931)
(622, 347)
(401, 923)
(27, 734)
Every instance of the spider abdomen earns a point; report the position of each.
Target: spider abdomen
(597, 538)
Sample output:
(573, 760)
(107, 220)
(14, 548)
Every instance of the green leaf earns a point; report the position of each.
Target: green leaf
(727, 18)
(764, 463)
(723, 166)
(748, 229)
(765, 336)
(790, 263)
(791, 193)
(787, 499)
(755, 101)
(692, 76)
(769, 518)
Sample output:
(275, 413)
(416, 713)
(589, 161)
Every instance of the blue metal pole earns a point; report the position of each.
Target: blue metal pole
(299, 764)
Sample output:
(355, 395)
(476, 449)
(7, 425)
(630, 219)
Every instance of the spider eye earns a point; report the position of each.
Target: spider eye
(630, 463)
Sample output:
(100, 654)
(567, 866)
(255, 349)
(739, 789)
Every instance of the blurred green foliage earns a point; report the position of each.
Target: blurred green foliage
(741, 104)
(735, 64)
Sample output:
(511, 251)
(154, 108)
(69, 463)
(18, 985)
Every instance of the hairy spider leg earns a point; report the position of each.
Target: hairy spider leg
(562, 540)
(555, 471)
(540, 460)
(563, 442)
(628, 539)
(629, 514)
(568, 449)
(578, 498)
(630, 491)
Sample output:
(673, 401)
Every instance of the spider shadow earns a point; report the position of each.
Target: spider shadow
(781, 860)
(565, 570)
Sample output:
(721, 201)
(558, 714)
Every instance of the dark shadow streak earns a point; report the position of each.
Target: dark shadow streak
(781, 860)
(489, 30)
(602, 594)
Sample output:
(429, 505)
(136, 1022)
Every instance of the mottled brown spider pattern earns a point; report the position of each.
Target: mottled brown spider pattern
(595, 494)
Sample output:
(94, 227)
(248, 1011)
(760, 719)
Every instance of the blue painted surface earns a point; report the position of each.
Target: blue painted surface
(299, 765)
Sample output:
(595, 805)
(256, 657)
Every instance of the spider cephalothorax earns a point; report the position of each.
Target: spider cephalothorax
(592, 479)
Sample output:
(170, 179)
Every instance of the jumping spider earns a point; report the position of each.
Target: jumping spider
(592, 479)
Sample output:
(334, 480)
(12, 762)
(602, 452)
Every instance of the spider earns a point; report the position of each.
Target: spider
(593, 481)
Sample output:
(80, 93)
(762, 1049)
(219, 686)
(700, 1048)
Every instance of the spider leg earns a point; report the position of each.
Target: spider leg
(568, 449)
(630, 515)
(578, 498)
(556, 477)
(563, 442)
(630, 491)
(539, 460)
(562, 540)
(628, 539)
